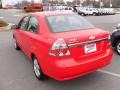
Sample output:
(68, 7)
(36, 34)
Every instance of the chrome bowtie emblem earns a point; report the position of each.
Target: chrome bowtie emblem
(92, 37)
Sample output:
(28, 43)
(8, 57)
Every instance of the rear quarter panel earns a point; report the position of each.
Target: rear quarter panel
(42, 43)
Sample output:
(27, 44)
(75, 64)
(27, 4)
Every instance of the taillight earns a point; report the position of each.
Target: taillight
(59, 48)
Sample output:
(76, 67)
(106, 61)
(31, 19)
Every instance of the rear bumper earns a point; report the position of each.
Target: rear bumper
(69, 68)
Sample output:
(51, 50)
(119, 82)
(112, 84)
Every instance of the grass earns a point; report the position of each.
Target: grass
(3, 23)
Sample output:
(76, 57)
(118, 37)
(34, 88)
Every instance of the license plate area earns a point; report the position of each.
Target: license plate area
(89, 48)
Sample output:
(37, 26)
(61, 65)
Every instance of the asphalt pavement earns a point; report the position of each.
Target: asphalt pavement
(11, 16)
(16, 70)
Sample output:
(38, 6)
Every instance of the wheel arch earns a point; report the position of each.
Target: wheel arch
(35, 55)
(32, 56)
(41, 65)
(13, 36)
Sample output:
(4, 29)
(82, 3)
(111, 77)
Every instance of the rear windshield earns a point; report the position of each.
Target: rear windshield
(67, 23)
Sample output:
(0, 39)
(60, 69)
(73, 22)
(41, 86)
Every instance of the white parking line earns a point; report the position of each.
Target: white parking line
(17, 15)
(110, 73)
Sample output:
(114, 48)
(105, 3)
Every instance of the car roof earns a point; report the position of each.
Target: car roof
(52, 13)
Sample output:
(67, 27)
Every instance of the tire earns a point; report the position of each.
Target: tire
(94, 14)
(37, 69)
(82, 14)
(79, 13)
(16, 45)
(117, 47)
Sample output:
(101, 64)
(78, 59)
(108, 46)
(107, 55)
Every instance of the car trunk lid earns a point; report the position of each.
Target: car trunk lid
(85, 43)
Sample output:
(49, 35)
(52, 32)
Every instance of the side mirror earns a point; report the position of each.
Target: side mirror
(118, 26)
(14, 27)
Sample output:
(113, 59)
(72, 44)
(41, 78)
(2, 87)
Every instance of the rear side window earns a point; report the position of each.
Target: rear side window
(66, 23)
(24, 23)
(33, 24)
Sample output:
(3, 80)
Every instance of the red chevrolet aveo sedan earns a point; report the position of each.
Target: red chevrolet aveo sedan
(62, 45)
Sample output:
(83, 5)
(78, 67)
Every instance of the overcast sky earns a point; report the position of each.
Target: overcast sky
(15, 1)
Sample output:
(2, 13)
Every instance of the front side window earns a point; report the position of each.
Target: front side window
(33, 24)
(66, 23)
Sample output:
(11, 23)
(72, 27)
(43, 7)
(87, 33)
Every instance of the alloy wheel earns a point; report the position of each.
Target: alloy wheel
(36, 68)
(118, 47)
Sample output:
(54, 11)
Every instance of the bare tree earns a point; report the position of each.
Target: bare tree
(0, 4)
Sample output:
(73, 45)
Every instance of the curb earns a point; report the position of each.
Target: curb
(6, 28)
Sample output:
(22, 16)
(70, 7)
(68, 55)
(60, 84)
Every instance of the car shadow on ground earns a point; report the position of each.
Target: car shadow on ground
(83, 81)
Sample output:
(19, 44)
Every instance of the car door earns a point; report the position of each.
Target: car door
(22, 26)
(30, 34)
